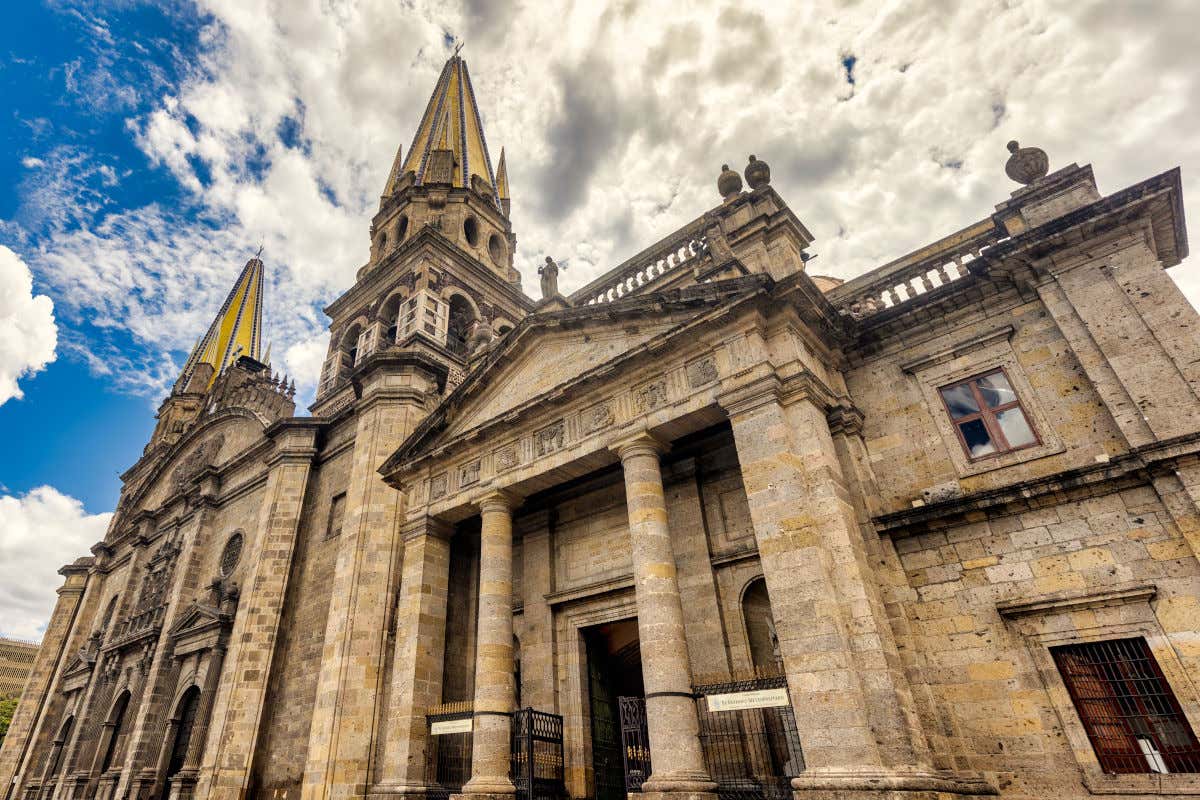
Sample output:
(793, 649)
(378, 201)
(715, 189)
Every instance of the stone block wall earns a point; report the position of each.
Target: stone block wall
(1000, 706)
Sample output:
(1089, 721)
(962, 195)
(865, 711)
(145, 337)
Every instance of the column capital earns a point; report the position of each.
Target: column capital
(499, 500)
(640, 443)
(781, 389)
(426, 525)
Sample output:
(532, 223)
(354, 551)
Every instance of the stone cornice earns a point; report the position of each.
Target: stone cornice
(1136, 466)
(1063, 602)
(426, 526)
(775, 388)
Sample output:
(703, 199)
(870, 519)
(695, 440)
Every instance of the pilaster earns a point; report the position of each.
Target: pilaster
(391, 389)
(850, 698)
(17, 754)
(237, 711)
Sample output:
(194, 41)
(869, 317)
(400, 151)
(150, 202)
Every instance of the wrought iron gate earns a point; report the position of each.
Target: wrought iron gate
(751, 752)
(537, 755)
(635, 742)
(449, 753)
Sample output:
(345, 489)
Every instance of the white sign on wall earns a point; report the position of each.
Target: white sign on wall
(758, 698)
(443, 727)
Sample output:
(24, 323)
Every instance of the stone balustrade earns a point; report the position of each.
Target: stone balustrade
(666, 256)
(924, 270)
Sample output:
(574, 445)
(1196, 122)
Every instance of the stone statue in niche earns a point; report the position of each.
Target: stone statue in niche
(549, 273)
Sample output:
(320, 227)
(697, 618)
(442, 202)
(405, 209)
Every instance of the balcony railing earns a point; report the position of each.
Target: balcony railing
(924, 270)
(665, 257)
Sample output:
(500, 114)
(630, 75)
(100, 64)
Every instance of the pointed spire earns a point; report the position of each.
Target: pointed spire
(237, 329)
(394, 176)
(452, 122)
(502, 183)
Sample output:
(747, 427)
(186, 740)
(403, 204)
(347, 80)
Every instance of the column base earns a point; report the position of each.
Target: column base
(391, 791)
(679, 786)
(870, 784)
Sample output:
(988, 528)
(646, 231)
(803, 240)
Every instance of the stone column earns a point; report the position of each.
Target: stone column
(495, 687)
(419, 655)
(675, 754)
(853, 706)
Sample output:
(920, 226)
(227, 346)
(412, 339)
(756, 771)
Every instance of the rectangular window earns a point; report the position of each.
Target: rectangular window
(337, 510)
(987, 415)
(1131, 716)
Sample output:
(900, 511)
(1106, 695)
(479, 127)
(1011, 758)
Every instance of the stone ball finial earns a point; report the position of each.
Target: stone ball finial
(729, 183)
(758, 173)
(1026, 164)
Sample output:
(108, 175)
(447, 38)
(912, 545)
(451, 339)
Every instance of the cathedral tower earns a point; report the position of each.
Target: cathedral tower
(233, 339)
(440, 273)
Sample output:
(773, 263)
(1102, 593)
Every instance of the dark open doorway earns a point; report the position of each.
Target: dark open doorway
(614, 671)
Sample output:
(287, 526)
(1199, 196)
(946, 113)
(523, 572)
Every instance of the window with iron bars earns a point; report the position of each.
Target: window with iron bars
(1130, 714)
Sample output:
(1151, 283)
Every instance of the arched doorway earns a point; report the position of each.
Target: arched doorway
(760, 626)
(185, 720)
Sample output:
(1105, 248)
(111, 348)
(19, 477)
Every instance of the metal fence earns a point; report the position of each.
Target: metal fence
(751, 752)
(449, 751)
(537, 752)
(537, 755)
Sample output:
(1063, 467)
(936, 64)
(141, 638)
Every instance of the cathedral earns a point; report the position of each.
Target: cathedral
(710, 527)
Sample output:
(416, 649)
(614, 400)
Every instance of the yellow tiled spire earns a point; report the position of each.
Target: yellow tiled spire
(237, 330)
(502, 178)
(452, 121)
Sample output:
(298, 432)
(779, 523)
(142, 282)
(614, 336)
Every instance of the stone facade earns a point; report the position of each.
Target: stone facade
(706, 468)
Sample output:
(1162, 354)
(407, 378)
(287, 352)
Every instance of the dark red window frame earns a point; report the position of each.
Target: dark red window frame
(987, 414)
(1126, 705)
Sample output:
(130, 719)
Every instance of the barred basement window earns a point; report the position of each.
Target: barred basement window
(987, 415)
(1131, 716)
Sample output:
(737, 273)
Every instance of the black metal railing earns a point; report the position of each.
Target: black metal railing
(751, 752)
(537, 752)
(449, 751)
(537, 755)
(635, 742)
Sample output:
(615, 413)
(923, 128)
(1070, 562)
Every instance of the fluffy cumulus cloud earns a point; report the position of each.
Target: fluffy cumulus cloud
(42, 530)
(884, 124)
(28, 335)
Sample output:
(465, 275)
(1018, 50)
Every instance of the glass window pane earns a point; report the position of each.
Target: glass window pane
(995, 390)
(960, 401)
(975, 434)
(1016, 427)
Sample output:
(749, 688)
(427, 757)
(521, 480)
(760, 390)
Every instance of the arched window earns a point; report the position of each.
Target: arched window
(109, 610)
(402, 229)
(760, 625)
(116, 730)
(185, 720)
(459, 328)
(391, 318)
(350, 346)
(496, 249)
(471, 230)
(60, 742)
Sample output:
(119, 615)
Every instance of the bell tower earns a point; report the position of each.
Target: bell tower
(440, 273)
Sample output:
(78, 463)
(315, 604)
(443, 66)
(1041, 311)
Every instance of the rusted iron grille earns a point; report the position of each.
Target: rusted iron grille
(751, 753)
(537, 755)
(1130, 714)
(635, 742)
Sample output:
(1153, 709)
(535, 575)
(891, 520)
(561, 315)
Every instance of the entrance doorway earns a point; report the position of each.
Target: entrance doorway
(614, 672)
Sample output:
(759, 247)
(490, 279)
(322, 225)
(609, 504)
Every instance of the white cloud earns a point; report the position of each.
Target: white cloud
(28, 335)
(616, 119)
(43, 530)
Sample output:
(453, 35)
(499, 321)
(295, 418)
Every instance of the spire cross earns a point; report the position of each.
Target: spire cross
(459, 46)
(258, 255)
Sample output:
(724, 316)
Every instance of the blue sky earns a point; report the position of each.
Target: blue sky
(149, 148)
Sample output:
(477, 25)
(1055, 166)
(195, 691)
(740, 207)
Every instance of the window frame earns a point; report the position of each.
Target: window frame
(987, 415)
(341, 522)
(1117, 673)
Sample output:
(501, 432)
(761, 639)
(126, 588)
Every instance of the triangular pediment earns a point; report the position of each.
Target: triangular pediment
(195, 617)
(548, 353)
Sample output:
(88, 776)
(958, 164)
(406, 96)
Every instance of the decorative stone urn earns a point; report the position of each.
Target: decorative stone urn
(758, 173)
(729, 183)
(1026, 164)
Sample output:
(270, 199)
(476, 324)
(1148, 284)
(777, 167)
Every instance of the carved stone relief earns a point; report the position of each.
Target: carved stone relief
(650, 396)
(548, 439)
(701, 372)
